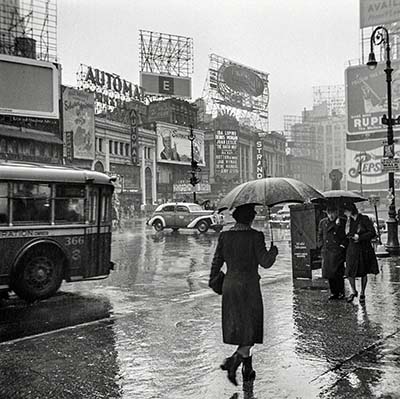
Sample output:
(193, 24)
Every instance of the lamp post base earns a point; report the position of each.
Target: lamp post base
(392, 244)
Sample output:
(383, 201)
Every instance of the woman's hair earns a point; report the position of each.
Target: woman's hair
(244, 214)
(350, 207)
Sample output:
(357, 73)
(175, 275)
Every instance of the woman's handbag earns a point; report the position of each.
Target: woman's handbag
(216, 282)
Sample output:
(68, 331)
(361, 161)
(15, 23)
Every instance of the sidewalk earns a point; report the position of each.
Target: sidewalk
(164, 347)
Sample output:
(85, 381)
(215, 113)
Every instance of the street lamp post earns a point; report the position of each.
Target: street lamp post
(379, 36)
(194, 165)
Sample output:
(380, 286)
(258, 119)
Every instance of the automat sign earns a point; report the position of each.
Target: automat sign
(110, 89)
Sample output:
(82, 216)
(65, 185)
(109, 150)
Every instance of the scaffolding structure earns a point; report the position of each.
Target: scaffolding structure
(302, 137)
(333, 96)
(162, 53)
(28, 28)
(247, 100)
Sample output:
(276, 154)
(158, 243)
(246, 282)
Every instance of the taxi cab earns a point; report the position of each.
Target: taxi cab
(185, 215)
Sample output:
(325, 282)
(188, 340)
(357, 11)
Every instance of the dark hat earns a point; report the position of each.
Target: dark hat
(244, 213)
(349, 206)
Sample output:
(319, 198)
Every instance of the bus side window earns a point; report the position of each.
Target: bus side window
(93, 204)
(31, 202)
(105, 208)
(3, 203)
(69, 204)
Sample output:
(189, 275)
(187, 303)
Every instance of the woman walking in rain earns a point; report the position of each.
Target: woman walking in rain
(243, 249)
(360, 256)
(332, 240)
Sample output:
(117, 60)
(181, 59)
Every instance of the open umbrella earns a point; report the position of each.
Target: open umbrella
(269, 191)
(339, 196)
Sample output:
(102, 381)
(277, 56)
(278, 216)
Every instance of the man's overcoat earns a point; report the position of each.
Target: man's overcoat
(332, 240)
(243, 249)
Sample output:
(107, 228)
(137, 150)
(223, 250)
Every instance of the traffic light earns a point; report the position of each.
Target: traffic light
(194, 180)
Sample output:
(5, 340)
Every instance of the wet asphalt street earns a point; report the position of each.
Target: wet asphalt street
(152, 330)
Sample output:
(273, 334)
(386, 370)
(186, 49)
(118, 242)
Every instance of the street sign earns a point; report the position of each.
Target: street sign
(391, 164)
(388, 150)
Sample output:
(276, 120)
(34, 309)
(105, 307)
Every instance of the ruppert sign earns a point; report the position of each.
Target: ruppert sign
(378, 12)
(366, 97)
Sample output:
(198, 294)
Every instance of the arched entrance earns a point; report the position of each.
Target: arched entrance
(98, 166)
(148, 175)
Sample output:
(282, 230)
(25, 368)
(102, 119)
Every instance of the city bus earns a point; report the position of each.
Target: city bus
(55, 225)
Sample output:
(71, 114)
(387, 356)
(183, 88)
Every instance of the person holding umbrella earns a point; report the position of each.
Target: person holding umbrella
(332, 241)
(360, 256)
(243, 250)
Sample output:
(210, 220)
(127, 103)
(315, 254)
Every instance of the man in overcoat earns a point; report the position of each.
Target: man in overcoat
(332, 241)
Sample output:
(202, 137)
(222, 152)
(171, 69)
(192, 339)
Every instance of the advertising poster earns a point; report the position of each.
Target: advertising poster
(226, 155)
(366, 157)
(174, 146)
(78, 118)
(378, 12)
(366, 97)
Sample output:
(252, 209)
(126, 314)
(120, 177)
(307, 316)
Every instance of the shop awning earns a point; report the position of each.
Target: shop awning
(29, 134)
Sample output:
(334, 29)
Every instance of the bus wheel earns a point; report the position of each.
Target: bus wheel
(202, 226)
(38, 274)
(158, 226)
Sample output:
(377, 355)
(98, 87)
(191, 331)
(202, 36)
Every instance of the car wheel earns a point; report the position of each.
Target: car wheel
(38, 275)
(158, 226)
(202, 226)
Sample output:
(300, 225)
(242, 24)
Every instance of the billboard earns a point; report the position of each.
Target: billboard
(78, 123)
(174, 146)
(226, 155)
(366, 97)
(166, 85)
(366, 157)
(29, 87)
(237, 86)
(378, 12)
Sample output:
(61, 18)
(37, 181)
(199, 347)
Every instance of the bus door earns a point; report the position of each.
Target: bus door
(93, 231)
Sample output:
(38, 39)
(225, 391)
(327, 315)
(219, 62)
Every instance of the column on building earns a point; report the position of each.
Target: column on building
(107, 152)
(143, 174)
(154, 180)
(241, 163)
(251, 161)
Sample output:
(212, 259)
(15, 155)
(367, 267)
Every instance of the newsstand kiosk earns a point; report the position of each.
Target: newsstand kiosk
(304, 220)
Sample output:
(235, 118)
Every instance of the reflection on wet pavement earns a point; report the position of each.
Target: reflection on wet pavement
(164, 339)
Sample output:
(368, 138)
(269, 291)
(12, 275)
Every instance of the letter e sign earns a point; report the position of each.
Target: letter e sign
(166, 85)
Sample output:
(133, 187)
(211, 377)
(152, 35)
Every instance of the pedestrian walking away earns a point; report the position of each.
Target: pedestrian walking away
(242, 249)
(360, 256)
(332, 241)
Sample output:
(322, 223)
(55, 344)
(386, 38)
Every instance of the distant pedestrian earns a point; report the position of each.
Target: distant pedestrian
(243, 250)
(360, 256)
(332, 241)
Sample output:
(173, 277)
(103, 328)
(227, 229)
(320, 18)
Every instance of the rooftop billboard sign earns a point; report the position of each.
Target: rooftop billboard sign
(378, 12)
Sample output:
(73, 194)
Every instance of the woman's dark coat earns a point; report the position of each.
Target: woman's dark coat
(242, 307)
(332, 240)
(360, 256)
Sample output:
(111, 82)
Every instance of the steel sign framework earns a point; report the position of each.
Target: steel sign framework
(163, 53)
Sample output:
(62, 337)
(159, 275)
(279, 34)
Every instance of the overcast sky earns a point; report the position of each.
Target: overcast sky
(300, 43)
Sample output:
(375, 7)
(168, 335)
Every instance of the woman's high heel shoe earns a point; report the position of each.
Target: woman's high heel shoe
(352, 296)
(247, 369)
(231, 364)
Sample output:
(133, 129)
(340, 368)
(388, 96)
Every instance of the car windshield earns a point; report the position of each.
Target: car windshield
(195, 208)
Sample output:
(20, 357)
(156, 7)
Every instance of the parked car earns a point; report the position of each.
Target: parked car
(281, 218)
(185, 215)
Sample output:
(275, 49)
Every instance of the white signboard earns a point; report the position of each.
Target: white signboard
(378, 12)
(174, 146)
(391, 164)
